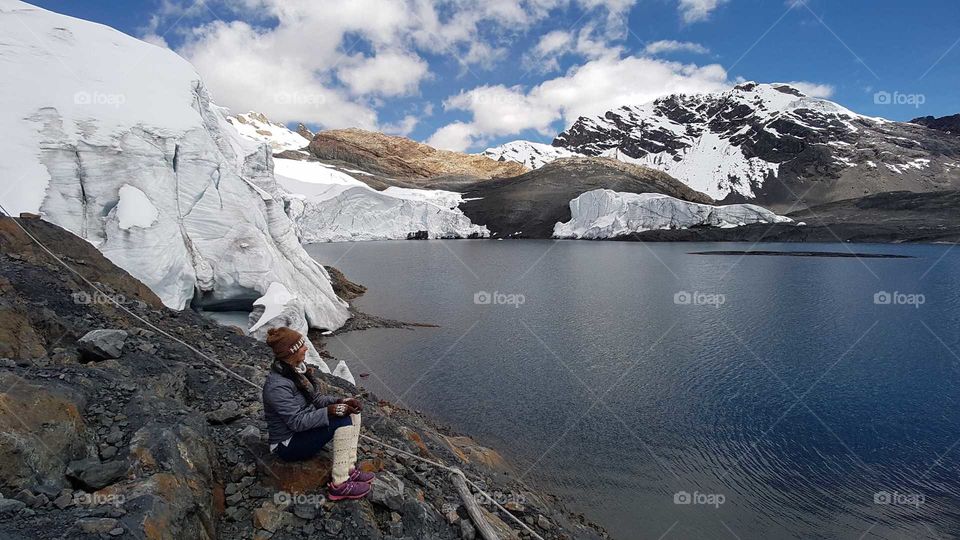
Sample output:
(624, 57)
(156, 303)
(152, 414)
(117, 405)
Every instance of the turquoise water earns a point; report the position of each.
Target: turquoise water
(691, 396)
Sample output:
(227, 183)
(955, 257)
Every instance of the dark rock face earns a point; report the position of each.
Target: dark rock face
(531, 204)
(947, 124)
(92, 475)
(771, 145)
(159, 444)
(45, 430)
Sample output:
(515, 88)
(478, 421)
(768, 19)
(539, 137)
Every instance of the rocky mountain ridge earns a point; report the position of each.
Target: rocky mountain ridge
(947, 124)
(768, 144)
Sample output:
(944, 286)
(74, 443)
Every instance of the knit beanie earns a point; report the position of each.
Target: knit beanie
(285, 342)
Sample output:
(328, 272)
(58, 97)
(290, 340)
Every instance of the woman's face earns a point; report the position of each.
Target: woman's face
(298, 359)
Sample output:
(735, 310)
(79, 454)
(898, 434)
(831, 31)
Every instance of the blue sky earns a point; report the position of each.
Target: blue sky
(465, 75)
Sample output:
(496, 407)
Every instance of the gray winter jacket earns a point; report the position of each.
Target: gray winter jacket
(287, 411)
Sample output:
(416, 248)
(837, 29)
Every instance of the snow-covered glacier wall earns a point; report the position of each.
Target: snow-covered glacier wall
(330, 206)
(603, 213)
(118, 141)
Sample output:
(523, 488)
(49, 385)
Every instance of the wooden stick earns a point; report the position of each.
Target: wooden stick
(487, 532)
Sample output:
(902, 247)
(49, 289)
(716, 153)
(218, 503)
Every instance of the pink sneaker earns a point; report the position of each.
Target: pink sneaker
(356, 475)
(347, 490)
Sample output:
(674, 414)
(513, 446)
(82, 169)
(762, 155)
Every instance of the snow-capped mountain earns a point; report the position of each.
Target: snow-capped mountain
(117, 141)
(605, 213)
(257, 127)
(771, 144)
(529, 154)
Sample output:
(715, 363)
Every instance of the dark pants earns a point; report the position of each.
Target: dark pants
(306, 444)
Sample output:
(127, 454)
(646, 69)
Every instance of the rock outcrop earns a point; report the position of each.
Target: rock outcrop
(403, 158)
(947, 124)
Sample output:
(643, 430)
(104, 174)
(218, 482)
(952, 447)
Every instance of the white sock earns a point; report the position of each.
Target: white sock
(343, 447)
(355, 419)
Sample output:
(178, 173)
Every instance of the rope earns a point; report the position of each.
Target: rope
(243, 379)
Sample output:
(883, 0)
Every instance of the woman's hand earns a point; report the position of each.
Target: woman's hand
(353, 404)
(338, 410)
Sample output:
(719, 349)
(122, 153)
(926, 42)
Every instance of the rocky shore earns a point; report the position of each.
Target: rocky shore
(108, 428)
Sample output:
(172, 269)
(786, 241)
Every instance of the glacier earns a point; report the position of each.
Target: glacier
(328, 204)
(604, 213)
(99, 126)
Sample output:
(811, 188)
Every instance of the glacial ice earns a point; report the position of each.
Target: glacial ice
(89, 110)
(603, 213)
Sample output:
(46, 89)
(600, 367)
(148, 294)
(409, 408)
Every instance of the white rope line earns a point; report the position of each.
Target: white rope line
(241, 378)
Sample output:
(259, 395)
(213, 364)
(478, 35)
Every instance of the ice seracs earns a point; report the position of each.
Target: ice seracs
(118, 141)
(603, 213)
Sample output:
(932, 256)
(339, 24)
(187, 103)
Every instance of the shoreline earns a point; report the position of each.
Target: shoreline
(157, 431)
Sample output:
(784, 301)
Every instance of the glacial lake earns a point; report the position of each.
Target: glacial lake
(670, 395)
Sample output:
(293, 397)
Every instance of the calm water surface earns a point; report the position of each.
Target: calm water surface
(792, 406)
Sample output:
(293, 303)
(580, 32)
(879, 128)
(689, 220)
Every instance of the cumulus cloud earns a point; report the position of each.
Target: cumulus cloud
(698, 10)
(386, 74)
(596, 86)
(457, 136)
(404, 127)
(335, 63)
(671, 46)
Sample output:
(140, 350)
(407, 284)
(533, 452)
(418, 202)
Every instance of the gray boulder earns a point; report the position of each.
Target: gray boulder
(103, 344)
(92, 475)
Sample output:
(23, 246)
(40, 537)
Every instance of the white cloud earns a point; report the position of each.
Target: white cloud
(334, 63)
(404, 127)
(817, 90)
(595, 87)
(698, 10)
(670, 46)
(386, 74)
(457, 136)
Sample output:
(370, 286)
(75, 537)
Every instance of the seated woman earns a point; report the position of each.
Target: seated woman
(301, 420)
